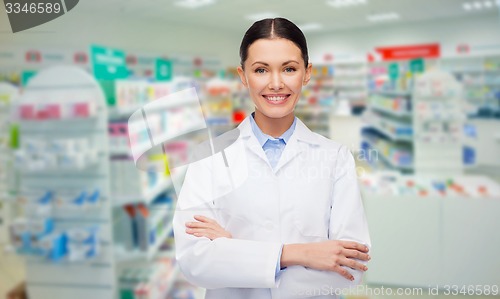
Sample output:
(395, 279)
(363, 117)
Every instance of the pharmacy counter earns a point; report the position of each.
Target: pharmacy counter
(433, 232)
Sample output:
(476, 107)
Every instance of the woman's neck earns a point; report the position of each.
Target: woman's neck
(274, 127)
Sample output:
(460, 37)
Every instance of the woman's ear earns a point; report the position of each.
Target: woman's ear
(241, 73)
(307, 77)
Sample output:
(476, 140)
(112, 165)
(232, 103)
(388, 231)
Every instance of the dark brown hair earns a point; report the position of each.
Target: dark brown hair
(273, 28)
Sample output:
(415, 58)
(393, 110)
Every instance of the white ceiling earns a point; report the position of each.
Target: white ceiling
(229, 15)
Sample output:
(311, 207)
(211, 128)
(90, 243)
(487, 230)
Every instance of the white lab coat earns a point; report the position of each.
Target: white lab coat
(312, 195)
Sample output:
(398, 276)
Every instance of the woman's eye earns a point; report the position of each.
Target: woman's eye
(289, 69)
(260, 71)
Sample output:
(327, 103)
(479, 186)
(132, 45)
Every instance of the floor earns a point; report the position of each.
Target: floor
(11, 271)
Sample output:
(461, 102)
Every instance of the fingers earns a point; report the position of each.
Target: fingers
(208, 232)
(199, 225)
(206, 227)
(201, 233)
(343, 272)
(204, 219)
(353, 264)
(355, 254)
(354, 245)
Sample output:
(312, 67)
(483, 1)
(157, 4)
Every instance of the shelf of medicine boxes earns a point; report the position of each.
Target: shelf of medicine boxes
(149, 280)
(165, 212)
(4, 160)
(377, 148)
(390, 129)
(396, 126)
(314, 107)
(351, 81)
(218, 104)
(480, 77)
(344, 79)
(315, 116)
(147, 197)
(123, 255)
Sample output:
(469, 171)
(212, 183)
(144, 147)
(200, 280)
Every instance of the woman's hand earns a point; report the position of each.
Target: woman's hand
(328, 255)
(206, 227)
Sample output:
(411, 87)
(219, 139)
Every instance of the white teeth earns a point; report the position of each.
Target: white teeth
(275, 99)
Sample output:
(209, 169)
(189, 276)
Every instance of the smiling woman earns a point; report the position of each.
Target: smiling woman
(274, 81)
(296, 222)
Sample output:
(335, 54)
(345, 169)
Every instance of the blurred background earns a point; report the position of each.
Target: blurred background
(411, 87)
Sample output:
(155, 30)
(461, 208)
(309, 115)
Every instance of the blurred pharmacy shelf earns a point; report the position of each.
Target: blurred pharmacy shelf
(8, 96)
(68, 219)
(78, 224)
(480, 78)
(151, 194)
(124, 255)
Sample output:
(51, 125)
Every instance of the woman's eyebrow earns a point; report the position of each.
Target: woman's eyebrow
(284, 63)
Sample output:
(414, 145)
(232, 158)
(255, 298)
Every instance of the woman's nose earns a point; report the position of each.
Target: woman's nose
(276, 82)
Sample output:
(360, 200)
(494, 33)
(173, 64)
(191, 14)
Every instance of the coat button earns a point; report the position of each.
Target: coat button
(269, 225)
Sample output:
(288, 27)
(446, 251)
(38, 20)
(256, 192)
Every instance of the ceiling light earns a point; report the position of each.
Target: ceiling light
(193, 3)
(345, 3)
(480, 5)
(310, 27)
(384, 17)
(261, 15)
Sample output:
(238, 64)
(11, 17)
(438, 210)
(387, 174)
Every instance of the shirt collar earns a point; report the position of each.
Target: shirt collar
(262, 137)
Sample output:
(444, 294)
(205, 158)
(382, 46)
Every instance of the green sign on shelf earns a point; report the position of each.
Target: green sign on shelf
(393, 71)
(107, 63)
(417, 66)
(26, 76)
(163, 70)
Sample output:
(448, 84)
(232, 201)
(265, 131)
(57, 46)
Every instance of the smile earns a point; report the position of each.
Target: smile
(276, 99)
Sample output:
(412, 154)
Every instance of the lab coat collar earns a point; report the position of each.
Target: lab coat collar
(263, 137)
(251, 140)
(300, 140)
(301, 133)
(304, 134)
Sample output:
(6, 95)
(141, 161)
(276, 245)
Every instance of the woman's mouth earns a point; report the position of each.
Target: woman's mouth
(276, 99)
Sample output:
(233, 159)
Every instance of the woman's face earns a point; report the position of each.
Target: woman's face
(274, 75)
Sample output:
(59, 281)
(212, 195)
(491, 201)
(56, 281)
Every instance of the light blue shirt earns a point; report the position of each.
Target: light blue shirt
(273, 147)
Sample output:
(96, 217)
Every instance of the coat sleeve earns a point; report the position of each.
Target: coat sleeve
(347, 222)
(223, 262)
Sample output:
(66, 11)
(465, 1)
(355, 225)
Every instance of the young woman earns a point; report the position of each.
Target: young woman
(278, 213)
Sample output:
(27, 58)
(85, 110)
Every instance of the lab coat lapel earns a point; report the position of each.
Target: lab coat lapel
(292, 149)
(299, 142)
(251, 141)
